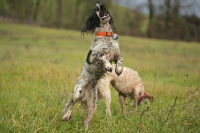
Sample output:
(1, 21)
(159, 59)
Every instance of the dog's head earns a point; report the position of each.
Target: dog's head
(146, 95)
(99, 16)
(101, 12)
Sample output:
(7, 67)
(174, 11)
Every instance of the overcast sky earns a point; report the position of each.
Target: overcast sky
(193, 6)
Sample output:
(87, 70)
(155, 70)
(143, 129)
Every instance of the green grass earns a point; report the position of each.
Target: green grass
(39, 68)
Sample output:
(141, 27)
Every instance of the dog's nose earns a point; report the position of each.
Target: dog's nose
(100, 2)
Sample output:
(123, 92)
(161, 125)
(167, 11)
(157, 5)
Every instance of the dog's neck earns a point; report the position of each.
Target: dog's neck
(104, 28)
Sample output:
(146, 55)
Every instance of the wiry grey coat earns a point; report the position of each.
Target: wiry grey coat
(103, 51)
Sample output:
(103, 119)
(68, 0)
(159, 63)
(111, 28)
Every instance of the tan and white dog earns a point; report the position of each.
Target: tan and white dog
(128, 84)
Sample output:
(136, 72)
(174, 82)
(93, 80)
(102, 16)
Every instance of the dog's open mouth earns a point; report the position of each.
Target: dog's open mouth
(103, 12)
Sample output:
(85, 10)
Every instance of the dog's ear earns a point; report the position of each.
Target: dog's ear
(87, 25)
(91, 23)
(111, 21)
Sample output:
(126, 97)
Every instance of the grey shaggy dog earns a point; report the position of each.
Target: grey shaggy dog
(104, 50)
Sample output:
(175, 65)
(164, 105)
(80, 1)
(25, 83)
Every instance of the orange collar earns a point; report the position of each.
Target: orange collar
(104, 33)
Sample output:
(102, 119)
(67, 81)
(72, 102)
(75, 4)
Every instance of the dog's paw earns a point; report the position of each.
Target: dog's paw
(66, 118)
(118, 72)
(109, 69)
(86, 124)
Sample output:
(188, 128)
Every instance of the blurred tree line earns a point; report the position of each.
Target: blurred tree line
(166, 22)
(72, 14)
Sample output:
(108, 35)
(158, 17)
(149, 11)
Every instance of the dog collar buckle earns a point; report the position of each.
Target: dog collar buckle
(115, 36)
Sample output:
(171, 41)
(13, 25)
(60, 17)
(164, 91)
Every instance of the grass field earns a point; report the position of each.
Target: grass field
(39, 68)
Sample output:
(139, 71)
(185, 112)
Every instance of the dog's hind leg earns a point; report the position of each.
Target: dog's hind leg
(119, 66)
(91, 103)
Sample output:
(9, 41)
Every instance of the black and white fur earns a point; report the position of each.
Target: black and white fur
(102, 53)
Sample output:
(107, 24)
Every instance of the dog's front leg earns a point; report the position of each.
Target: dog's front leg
(91, 105)
(135, 97)
(122, 102)
(119, 66)
(108, 101)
